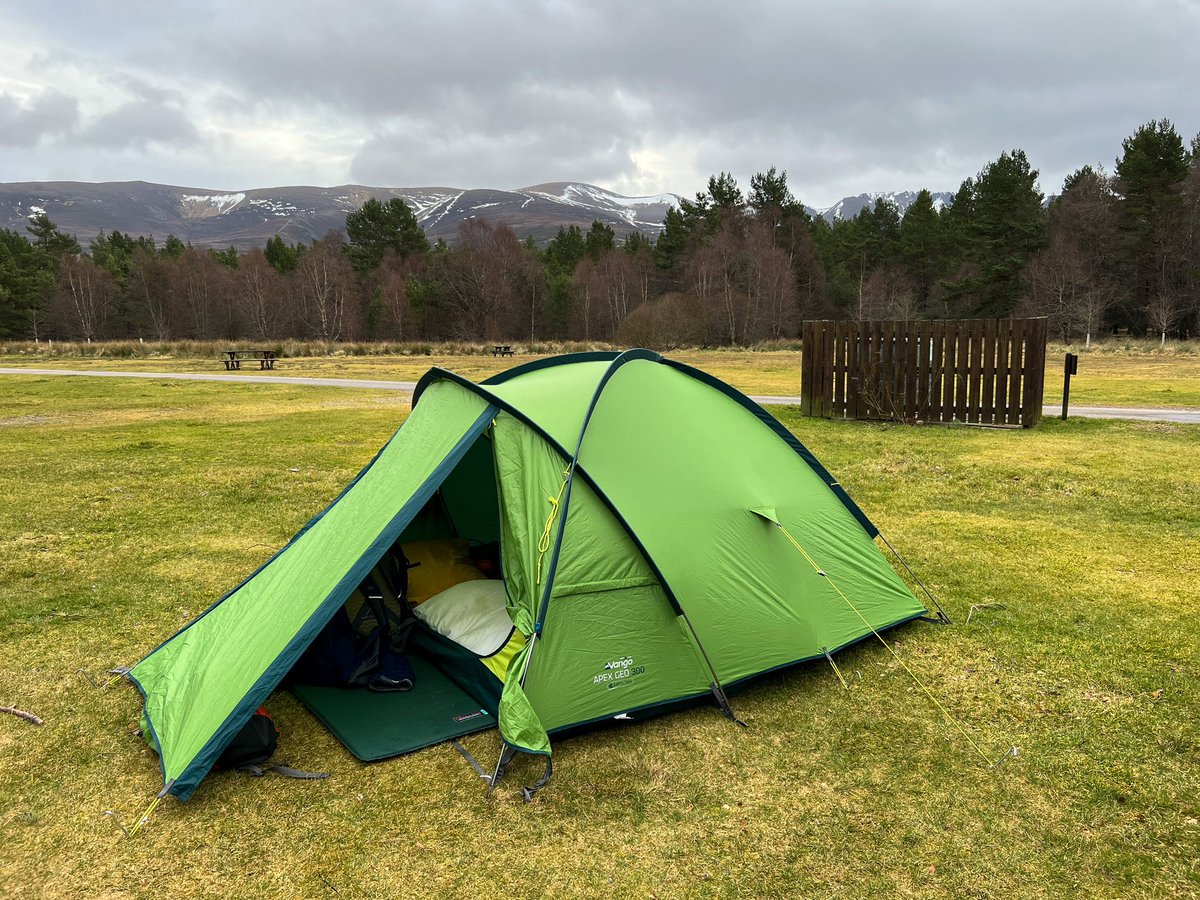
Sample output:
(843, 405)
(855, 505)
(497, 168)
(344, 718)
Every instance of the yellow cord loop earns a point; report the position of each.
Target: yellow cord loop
(545, 540)
(945, 712)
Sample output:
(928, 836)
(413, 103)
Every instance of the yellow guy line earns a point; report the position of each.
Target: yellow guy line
(945, 712)
(145, 816)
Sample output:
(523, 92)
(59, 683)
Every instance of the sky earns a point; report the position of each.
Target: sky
(640, 98)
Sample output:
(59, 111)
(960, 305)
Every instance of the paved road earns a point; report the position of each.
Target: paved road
(1186, 416)
(408, 386)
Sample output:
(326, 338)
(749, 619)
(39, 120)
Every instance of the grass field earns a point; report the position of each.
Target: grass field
(126, 507)
(1139, 374)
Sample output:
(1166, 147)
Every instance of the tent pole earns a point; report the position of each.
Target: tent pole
(506, 755)
(507, 752)
(941, 613)
(715, 687)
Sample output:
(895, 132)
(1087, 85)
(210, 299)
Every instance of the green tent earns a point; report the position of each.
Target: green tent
(662, 539)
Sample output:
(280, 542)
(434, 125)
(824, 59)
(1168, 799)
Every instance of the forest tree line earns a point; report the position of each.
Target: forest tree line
(730, 267)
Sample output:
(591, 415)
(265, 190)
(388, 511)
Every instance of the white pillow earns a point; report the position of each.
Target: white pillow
(473, 613)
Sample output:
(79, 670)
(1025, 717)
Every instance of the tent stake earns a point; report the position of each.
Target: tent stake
(836, 670)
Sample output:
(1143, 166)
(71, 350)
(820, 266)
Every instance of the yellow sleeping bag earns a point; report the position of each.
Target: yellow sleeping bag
(437, 565)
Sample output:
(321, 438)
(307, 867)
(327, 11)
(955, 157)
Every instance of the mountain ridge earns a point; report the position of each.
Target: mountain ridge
(248, 217)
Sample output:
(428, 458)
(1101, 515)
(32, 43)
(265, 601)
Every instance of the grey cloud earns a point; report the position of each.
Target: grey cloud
(848, 97)
(138, 123)
(498, 160)
(50, 115)
(145, 90)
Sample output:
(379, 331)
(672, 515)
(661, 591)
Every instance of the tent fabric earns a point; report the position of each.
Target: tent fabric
(640, 508)
(201, 685)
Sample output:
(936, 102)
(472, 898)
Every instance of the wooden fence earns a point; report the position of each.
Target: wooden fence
(981, 371)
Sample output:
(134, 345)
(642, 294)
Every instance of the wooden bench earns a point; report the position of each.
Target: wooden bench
(235, 358)
(502, 350)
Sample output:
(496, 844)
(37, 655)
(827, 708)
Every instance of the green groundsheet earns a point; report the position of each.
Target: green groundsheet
(378, 725)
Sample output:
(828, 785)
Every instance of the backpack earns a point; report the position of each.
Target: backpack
(367, 650)
(254, 744)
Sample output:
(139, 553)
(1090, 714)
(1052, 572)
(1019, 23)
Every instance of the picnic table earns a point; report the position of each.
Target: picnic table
(235, 358)
(502, 350)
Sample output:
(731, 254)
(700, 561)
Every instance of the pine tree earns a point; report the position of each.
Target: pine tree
(50, 240)
(922, 247)
(636, 242)
(26, 282)
(600, 239)
(227, 257)
(172, 248)
(565, 250)
(771, 197)
(673, 240)
(1151, 169)
(724, 194)
(281, 255)
(1000, 222)
(376, 227)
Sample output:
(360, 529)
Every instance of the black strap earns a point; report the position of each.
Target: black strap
(289, 772)
(285, 771)
(528, 792)
(479, 769)
(507, 752)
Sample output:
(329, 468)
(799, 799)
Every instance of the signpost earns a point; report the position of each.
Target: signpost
(1070, 367)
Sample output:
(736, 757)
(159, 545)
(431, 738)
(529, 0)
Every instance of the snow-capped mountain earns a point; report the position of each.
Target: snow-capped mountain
(849, 207)
(248, 218)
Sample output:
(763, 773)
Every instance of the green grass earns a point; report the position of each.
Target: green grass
(128, 506)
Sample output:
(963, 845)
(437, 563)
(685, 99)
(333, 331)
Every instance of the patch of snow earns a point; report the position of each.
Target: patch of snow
(591, 197)
(557, 198)
(484, 205)
(36, 211)
(448, 203)
(222, 202)
(902, 199)
(421, 203)
(603, 196)
(277, 207)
